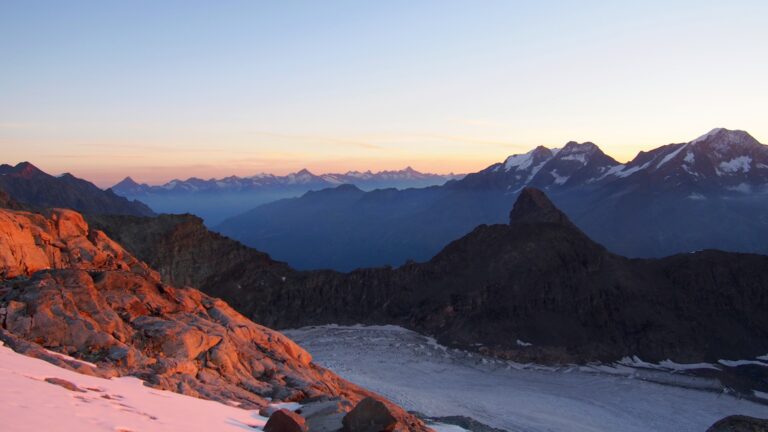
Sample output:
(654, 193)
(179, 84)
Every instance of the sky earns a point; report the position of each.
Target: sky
(163, 90)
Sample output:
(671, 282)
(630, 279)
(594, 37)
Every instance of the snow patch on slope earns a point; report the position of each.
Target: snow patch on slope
(670, 156)
(629, 171)
(741, 163)
(521, 161)
(29, 403)
(558, 178)
(580, 157)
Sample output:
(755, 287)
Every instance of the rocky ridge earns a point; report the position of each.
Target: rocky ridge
(68, 288)
(538, 279)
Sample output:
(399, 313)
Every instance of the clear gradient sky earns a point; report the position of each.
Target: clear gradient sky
(163, 89)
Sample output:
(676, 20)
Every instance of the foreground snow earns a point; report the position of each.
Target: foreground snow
(29, 403)
(420, 375)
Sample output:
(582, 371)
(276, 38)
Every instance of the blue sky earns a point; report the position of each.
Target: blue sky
(159, 90)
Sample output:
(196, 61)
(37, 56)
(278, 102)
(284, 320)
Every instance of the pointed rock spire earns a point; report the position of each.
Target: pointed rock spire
(533, 206)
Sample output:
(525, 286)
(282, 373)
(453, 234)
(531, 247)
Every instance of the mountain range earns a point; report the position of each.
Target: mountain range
(217, 199)
(30, 186)
(533, 289)
(711, 192)
(121, 293)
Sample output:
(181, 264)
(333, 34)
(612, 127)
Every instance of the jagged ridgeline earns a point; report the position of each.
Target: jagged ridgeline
(711, 192)
(31, 187)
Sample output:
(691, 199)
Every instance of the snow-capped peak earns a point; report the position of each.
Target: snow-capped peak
(707, 135)
(526, 160)
(577, 152)
(574, 147)
(723, 138)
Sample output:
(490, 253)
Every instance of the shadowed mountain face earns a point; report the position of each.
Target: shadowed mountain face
(711, 192)
(27, 184)
(7, 202)
(537, 279)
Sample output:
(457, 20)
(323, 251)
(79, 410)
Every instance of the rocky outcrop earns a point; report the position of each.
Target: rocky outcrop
(60, 239)
(73, 290)
(739, 423)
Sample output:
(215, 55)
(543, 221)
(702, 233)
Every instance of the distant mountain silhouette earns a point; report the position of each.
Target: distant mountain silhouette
(27, 184)
(711, 192)
(217, 199)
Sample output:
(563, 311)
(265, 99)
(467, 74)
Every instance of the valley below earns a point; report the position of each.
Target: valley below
(415, 372)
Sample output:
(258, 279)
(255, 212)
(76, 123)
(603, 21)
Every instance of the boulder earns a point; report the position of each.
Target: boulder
(284, 420)
(370, 415)
(739, 423)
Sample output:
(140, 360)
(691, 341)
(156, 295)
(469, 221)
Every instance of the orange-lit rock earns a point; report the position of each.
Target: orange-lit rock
(30, 242)
(83, 295)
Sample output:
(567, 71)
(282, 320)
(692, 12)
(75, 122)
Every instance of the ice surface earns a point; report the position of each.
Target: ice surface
(735, 363)
(412, 371)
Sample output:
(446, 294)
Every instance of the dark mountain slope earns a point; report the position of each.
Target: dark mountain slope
(7, 202)
(29, 185)
(538, 279)
(365, 229)
(185, 253)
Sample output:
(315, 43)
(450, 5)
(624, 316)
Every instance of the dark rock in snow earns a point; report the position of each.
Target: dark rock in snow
(64, 383)
(369, 415)
(284, 420)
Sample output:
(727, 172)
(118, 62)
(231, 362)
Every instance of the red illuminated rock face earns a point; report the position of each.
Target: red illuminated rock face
(73, 290)
(31, 242)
